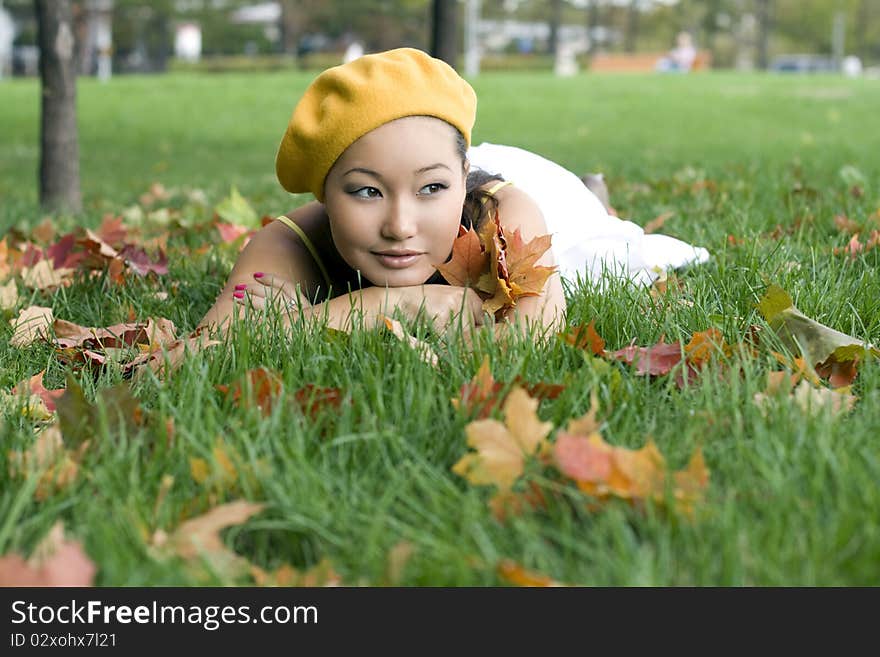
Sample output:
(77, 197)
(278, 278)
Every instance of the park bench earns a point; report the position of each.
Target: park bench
(640, 62)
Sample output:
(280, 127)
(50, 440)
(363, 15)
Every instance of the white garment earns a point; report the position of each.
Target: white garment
(585, 239)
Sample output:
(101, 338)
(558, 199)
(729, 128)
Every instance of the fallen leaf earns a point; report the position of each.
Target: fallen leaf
(705, 346)
(263, 389)
(602, 470)
(820, 345)
(35, 386)
(230, 232)
(483, 394)
(422, 348)
(32, 324)
(44, 231)
(398, 558)
(313, 399)
(513, 573)
(8, 295)
(657, 223)
(502, 449)
(586, 338)
(56, 465)
(846, 225)
(321, 574)
(56, 561)
(199, 538)
(235, 209)
(44, 276)
(814, 401)
(656, 360)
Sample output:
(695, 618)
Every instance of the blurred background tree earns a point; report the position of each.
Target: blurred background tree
(743, 33)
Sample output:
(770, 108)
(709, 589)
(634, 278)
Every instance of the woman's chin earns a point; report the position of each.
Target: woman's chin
(401, 278)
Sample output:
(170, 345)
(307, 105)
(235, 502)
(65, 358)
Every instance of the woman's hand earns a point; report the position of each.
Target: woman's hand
(269, 290)
(444, 305)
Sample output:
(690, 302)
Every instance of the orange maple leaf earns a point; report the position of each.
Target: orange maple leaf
(526, 278)
(483, 394)
(500, 268)
(604, 471)
(704, 345)
(262, 389)
(515, 574)
(586, 338)
(469, 260)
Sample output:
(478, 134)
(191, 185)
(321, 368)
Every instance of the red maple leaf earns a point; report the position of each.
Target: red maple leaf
(654, 361)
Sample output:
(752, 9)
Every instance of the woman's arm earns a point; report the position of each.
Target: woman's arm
(291, 277)
(518, 210)
(275, 249)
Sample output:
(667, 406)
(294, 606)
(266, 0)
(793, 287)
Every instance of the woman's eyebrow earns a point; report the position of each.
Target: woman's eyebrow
(376, 174)
(439, 165)
(369, 172)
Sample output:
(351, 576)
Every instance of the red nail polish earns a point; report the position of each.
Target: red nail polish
(238, 295)
(241, 286)
(258, 274)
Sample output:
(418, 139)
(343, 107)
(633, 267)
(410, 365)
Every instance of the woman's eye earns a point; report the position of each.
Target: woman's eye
(367, 192)
(433, 188)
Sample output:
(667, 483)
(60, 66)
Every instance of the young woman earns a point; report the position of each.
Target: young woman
(382, 143)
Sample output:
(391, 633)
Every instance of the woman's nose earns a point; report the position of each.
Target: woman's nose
(400, 221)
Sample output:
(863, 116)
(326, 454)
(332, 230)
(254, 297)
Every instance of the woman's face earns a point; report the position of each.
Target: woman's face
(394, 199)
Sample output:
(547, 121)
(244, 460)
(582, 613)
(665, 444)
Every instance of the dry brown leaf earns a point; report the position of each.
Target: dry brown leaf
(199, 538)
(398, 557)
(32, 324)
(815, 401)
(657, 223)
(56, 465)
(8, 295)
(44, 276)
(422, 348)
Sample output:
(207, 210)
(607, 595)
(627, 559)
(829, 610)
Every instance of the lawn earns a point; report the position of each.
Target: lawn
(756, 168)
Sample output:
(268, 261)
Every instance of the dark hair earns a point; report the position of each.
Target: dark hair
(477, 203)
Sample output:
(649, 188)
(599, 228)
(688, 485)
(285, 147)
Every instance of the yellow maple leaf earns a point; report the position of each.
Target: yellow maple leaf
(502, 449)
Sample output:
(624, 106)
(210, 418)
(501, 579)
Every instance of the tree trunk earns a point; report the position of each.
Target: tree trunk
(592, 23)
(632, 27)
(862, 46)
(763, 33)
(444, 31)
(289, 25)
(59, 147)
(555, 22)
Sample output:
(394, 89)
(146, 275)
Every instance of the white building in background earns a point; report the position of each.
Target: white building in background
(267, 14)
(188, 42)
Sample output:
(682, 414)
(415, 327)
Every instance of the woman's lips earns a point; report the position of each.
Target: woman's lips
(397, 260)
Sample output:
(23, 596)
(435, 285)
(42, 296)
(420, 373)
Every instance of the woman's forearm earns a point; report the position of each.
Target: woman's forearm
(357, 308)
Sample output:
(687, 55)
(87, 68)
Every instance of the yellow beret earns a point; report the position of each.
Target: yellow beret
(345, 102)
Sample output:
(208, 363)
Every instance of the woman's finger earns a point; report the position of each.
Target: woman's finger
(288, 289)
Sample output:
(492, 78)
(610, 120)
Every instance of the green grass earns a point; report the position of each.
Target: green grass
(793, 500)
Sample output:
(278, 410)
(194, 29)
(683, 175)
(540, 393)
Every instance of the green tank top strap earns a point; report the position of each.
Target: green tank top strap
(308, 244)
